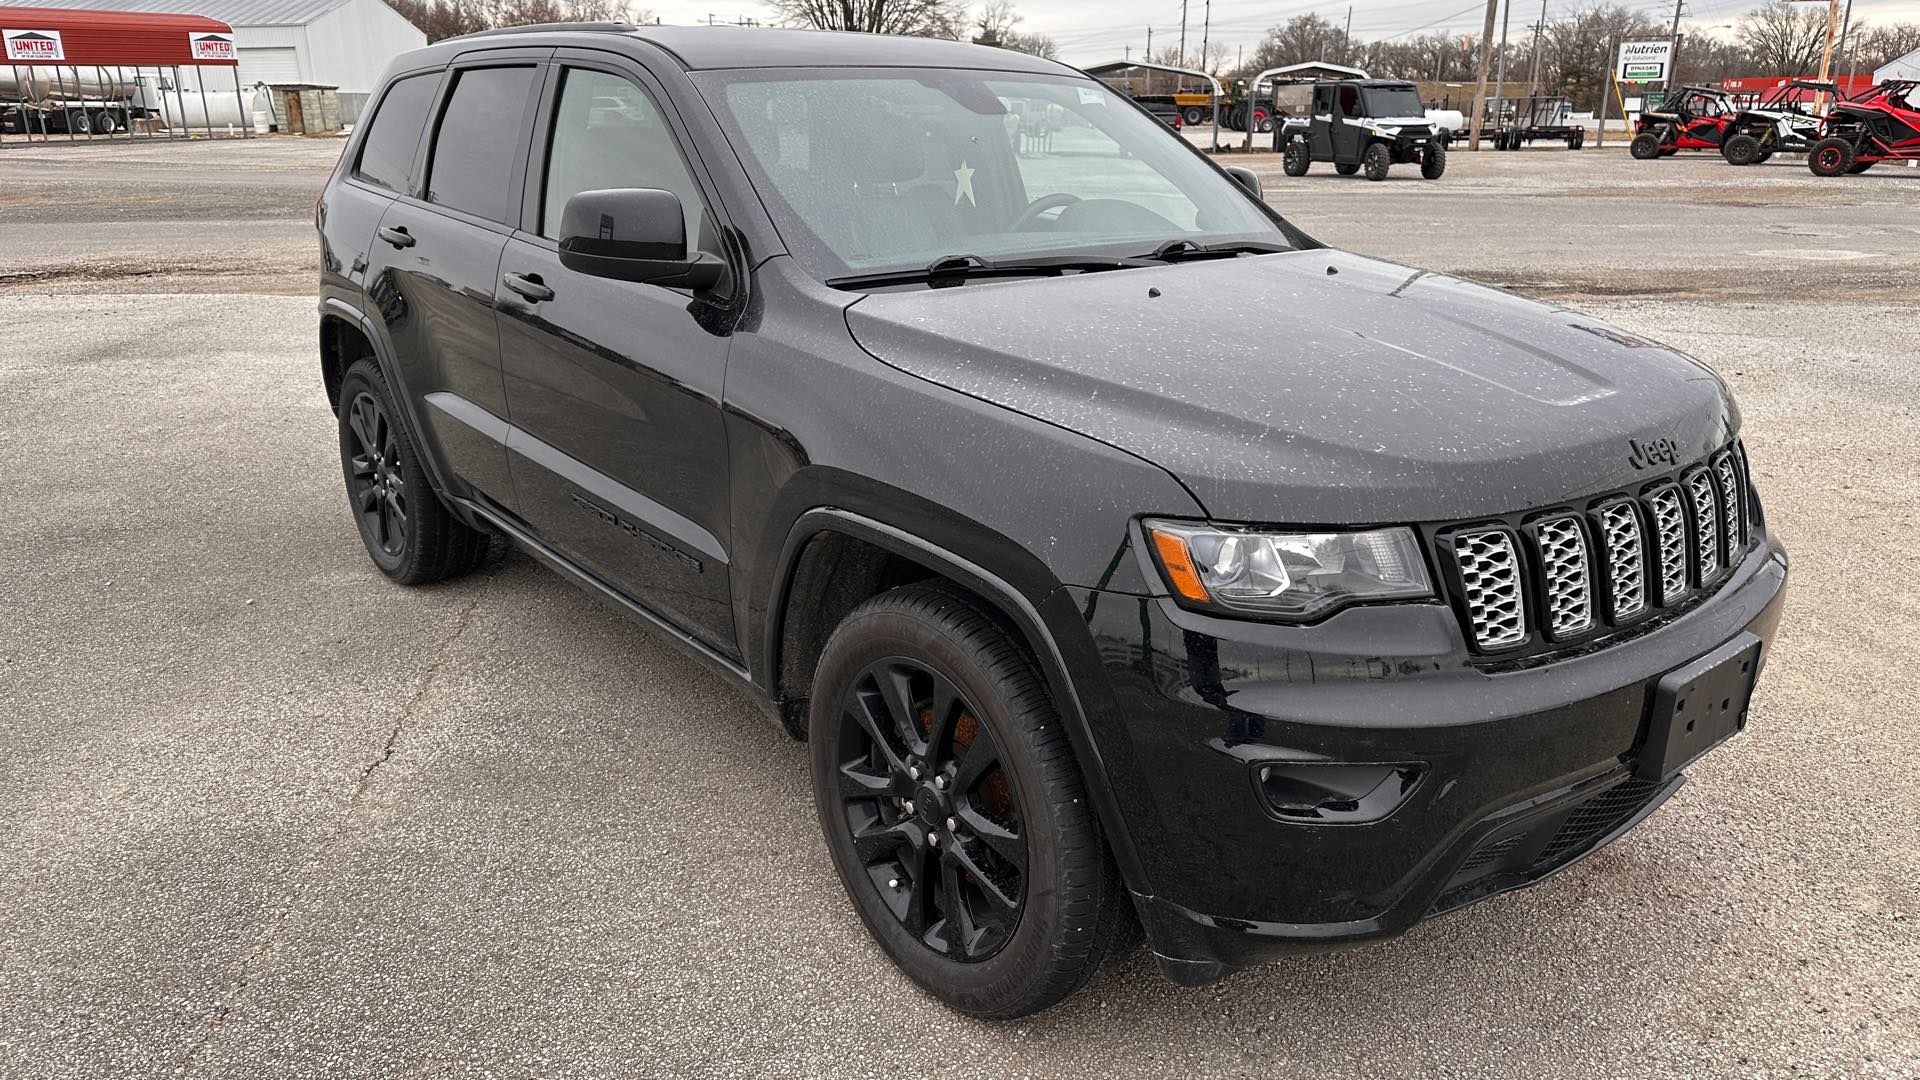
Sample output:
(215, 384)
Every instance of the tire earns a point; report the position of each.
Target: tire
(1297, 159)
(1433, 163)
(1376, 161)
(1831, 157)
(407, 530)
(1743, 149)
(1346, 168)
(1194, 116)
(1263, 123)
(1646, 146)
(887, 765)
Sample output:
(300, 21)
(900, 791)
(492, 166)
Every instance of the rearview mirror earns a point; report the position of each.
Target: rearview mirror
(1246, 179)
(634, 234)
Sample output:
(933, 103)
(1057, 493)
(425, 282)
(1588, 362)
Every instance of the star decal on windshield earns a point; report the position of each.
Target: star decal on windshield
(963, 184)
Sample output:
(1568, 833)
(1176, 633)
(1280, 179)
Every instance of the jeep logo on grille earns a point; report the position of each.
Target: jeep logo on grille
(1645, 455)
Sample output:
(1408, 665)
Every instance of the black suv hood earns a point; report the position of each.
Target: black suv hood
(1315, 387)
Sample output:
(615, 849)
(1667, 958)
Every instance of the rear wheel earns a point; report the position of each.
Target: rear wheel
(1298, 158)
(1742, 149)
(953, 810)
(1646, 146)
(1433, 164)
(409, 533)
(1194, 116)
(1831, 157)
(1376, 161)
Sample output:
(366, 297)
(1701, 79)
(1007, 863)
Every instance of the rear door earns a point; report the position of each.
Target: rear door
(1348, 133)
(1324, 120)
(436, 256)
(378, 169)
(618, 449)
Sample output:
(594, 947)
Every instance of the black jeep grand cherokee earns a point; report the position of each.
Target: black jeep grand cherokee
(888, 377)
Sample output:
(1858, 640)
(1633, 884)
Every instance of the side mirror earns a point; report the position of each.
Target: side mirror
(634, 234)
(1246, 178)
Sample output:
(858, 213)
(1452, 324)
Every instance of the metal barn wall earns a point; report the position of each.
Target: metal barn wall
(351, 46)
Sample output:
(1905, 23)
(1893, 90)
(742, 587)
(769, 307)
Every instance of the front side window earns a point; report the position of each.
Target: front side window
(877, 170)
(607, 133)
(386, 156)
(472, 164)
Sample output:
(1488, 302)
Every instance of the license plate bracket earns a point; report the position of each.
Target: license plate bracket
(1698, 707)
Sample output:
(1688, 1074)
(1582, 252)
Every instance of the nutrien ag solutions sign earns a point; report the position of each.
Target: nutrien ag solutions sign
(1644, 61)
(34, 46)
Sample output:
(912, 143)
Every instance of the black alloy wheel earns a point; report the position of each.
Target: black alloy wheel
(933, 815)
(374, 482)
(408, 532)
(953, 808)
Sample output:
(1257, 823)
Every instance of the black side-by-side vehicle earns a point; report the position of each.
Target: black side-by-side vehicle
(1363, 124)
(1098, 614)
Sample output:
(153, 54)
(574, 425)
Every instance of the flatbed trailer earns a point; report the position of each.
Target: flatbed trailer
(1516, 122)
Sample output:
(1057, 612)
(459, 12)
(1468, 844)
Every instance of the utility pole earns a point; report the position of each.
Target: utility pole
(1539, 30)
(1346, 38)
(1673, 56)
(1206, 23)
(1486, 64)
(1182, 61)
(1500, 82)
(1846, 33)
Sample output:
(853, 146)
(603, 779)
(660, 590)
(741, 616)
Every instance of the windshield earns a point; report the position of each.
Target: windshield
(1396, 102)
(873, 170)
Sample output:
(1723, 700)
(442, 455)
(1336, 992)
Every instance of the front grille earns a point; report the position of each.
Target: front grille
(1626, 559)
(1603, 563)
(1490, 575)
(1670, 529)
(1706, 526)
(1563, 558)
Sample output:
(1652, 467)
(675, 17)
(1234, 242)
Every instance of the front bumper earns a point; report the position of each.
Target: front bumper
(1515, 775)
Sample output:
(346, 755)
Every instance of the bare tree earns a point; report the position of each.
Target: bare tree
(1782, 38)
(917, 18)
(1875, 48)
(440, 19)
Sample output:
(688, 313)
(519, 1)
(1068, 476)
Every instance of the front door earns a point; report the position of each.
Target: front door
(618, 448)
(1348, 133)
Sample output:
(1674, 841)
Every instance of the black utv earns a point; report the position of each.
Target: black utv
(1369, 124)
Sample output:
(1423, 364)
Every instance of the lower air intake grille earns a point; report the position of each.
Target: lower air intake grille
(1563, 560)
(1626, 578)
(1595, 818)
(1490, 573)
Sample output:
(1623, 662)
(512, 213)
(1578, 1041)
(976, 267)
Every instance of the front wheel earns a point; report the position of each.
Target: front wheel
(953, 810)
(1646, 146)
(1376, 161)
(1433, 164)
(1742, 149)
(1831, 157)
(1298, 158)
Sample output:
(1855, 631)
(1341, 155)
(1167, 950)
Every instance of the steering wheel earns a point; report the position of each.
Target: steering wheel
(1040, 206)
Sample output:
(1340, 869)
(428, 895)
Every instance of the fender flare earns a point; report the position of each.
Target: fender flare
(337, 308)
(1011, 603)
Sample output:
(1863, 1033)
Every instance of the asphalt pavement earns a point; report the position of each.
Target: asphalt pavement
(264, 814)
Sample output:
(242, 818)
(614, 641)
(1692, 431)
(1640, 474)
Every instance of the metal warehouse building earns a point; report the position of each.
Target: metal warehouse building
(343, 43)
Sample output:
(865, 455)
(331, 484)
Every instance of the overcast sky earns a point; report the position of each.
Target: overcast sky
(1090, 31)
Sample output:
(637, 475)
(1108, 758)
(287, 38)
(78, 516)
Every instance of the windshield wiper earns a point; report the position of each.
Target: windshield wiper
(1187, 250)
(956, 269)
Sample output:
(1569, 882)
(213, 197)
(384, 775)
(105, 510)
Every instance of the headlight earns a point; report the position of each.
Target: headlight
(1296, 576)
(1389, 132)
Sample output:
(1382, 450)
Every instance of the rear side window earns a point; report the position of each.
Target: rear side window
(473, 150)
(394, 133)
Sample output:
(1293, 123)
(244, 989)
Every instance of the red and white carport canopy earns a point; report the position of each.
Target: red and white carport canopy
(70, 37)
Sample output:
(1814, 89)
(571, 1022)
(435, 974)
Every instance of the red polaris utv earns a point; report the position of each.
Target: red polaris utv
(1697, 118)
(1882, 124)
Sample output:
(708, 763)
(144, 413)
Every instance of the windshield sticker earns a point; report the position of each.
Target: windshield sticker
(1092, 97)
(963, 184)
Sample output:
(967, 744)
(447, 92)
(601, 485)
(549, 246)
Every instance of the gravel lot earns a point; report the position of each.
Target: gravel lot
(264, 815)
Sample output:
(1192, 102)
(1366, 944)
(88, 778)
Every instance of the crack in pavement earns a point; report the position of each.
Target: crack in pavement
(242, 980)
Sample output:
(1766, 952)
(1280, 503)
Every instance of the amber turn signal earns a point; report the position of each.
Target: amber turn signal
(1178, 563)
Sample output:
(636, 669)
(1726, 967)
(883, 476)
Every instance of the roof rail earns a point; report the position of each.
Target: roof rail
(552, 28)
